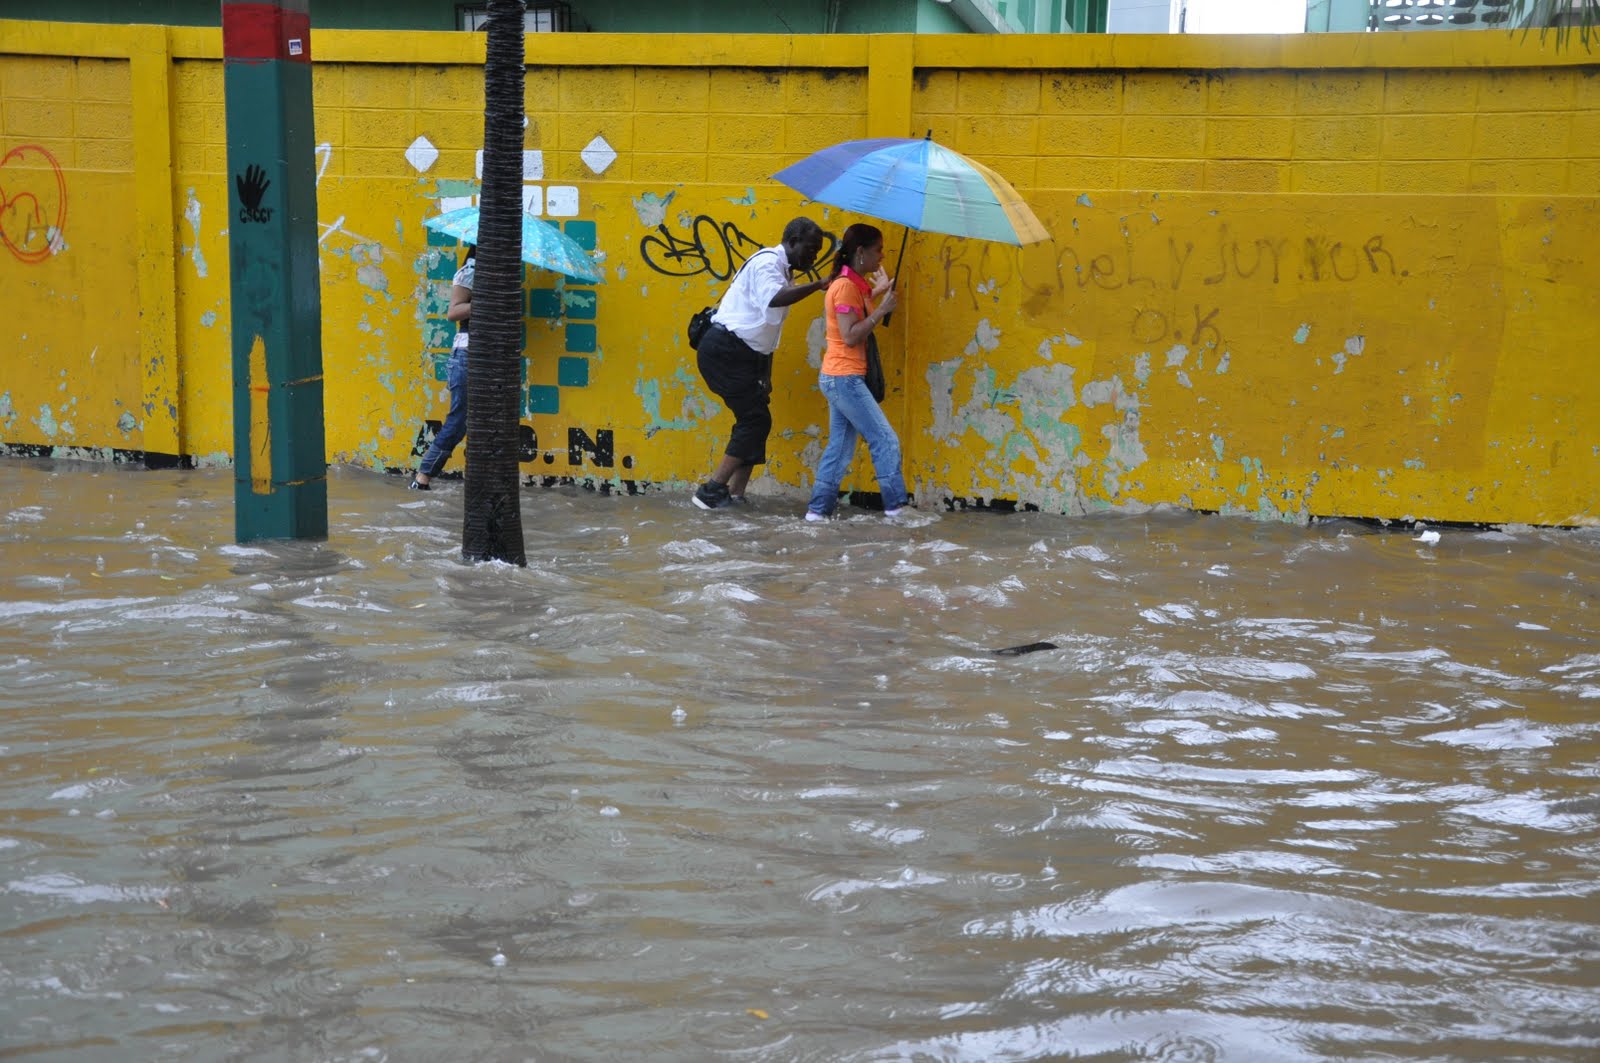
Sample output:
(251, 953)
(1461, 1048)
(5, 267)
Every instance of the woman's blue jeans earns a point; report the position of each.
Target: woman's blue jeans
(853, 413)
(454, 429)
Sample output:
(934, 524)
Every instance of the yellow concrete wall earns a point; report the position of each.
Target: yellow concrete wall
(1319, 275)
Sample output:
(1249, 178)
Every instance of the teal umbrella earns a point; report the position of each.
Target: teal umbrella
(543, 245)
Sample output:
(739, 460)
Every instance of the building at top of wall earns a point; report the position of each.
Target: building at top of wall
(646, 16)
(1387, 16)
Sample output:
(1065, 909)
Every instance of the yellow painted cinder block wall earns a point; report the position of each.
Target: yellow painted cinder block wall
(1289, 276)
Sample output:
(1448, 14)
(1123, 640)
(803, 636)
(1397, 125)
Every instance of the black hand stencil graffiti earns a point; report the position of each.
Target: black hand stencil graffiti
(253, 185)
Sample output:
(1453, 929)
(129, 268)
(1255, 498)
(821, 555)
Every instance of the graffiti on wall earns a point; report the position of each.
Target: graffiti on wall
(715, 248)
(252, 186)
(1170, 284)
(582, 450)
(1150, 302)
(33, 203)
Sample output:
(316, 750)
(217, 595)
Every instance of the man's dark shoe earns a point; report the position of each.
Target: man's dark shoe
(711, 495)
(417, 485)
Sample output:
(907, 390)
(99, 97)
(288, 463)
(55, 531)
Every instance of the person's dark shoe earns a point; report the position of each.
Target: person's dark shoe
(711, 495)
(738, 501)
(417, 485)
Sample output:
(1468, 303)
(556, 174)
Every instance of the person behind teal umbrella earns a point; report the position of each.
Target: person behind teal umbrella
(454, 428)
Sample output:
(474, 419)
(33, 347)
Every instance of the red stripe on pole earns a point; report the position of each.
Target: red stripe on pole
(265, 31)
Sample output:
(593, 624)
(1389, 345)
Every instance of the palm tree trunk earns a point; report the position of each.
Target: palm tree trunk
(492, 511)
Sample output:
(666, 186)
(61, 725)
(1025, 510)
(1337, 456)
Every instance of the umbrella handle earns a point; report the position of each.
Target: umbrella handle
(894, 281)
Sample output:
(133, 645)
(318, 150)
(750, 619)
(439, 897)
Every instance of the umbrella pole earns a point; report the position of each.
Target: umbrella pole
(894, 281)
(902, 256)
(905, 361)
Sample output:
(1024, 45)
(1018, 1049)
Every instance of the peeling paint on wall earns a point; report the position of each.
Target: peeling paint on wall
(651, 209)
(1352, 347)
(698, 407)
(986, 338)
(816, 342)
(191, 214)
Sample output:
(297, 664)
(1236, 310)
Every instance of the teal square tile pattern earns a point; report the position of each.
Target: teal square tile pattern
(542, 398)
(581, 339)
(544, 302)
(582, 233)
(438, 334)
(581, 304)
(572, 372)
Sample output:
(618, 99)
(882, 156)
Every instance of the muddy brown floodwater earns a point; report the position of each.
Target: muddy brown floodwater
(737, 787)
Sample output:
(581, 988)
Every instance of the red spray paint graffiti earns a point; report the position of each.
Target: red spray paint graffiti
(33, 203)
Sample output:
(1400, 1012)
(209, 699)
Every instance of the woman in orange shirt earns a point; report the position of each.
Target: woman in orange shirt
(859, 297)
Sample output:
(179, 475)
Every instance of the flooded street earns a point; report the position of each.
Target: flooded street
(732, 786)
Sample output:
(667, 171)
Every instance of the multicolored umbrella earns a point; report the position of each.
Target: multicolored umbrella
(917, 183)
(543, 245)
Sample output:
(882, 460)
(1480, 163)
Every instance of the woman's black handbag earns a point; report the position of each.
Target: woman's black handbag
(875, 382)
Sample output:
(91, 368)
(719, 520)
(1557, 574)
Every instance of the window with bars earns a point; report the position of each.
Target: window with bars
(539, 18)
(1438, 14)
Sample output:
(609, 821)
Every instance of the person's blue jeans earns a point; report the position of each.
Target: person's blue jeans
(454, 428)
(853, 413)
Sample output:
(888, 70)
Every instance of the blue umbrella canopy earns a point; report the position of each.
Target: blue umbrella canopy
(917, 183)
(543, 245)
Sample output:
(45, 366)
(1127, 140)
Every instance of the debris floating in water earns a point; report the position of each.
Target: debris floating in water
(1032, 647)
(498, 959)
(1428, 537)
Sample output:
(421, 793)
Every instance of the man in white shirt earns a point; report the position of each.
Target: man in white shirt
(735, 355)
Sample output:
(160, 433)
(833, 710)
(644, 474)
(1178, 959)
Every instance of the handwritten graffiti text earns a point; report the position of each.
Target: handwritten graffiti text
(1154, 262)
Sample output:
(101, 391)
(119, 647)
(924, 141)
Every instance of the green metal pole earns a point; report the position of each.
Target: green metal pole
(280, 464)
